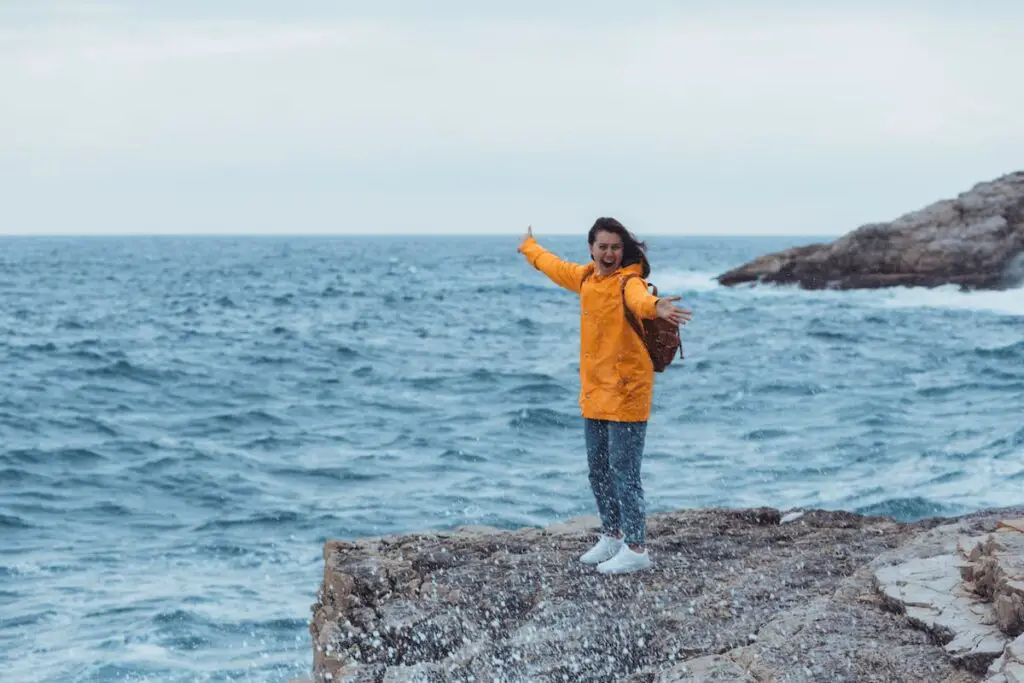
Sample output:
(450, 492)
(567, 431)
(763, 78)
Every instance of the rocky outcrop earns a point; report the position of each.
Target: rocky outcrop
(975, 241)
(964, 585)
(736, 595)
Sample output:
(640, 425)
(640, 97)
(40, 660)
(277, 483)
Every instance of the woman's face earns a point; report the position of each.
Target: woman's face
(606, 252)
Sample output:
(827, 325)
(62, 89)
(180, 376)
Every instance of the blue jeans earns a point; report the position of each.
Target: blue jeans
(614, 451)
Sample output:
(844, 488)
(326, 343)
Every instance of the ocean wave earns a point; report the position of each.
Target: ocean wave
(515, 289)
(332, 292)
(540, 418)
(909, 509)
(44, 348)
(833, 335)
(29, 620)
(1000, 447)
(880, 419)
(1014, 351)
(765, 434)
(243, 418)
(104, 508)
(124, 369)
(1002, 374)
(329, 475)
(462, 456)
(273, 442)
(492, 375)
(427, 382)
(362, 371)
(946, 477)
(475, 380)
(77, 457)
(347, 353)
(95, 425)
(39, 510)
(941, 391)
(540, 391)
(267, 359)
(13, 522)
(181, 618)
(87, 355)
(41, 495)
(788, 388)
(283, 625)
(257, 520)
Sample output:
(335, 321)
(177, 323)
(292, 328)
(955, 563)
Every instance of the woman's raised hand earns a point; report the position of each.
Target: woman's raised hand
(528, 235)
(672, 313)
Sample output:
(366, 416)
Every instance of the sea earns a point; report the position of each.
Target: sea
(184, 421)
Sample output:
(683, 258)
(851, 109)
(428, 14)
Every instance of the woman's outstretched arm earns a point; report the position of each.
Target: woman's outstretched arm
(643, 304)
(562, 273)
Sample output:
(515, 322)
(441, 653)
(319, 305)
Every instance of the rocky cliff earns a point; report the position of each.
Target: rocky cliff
(736, 595)
(975, 241)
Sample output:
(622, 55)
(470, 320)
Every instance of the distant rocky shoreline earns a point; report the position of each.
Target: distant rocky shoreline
(975, 241)
(736, 595)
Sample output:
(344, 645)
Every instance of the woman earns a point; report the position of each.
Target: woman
(617, 380)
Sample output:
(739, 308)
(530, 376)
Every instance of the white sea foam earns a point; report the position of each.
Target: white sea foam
(1009, 302)
(1006, 302)
(145, 652)
(683, 282)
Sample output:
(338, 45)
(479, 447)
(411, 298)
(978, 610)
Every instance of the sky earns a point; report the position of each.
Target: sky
(766, 117)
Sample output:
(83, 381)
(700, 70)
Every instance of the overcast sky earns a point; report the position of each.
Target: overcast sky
(251, 116)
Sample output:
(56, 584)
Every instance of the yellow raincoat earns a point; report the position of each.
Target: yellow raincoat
(616, 373)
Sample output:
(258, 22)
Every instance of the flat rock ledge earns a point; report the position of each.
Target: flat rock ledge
(751, 595)
(968, 593)
(975, 241)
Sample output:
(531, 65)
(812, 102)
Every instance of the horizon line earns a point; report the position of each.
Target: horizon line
(392, 234)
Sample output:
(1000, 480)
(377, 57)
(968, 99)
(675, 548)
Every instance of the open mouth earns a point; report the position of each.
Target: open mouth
(608, 264)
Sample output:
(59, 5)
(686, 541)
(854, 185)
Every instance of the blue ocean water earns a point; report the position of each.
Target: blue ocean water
(184, 421)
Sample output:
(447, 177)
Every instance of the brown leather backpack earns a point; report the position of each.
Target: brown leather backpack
(659, 336)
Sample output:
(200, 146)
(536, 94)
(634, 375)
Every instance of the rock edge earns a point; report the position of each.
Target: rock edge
(737, 595)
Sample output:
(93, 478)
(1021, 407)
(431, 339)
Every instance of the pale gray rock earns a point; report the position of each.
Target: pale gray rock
(961, 583)
(1009, 668)
(975, 241)
(702, 669)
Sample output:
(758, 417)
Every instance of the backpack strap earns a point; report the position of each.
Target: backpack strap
(634, 323)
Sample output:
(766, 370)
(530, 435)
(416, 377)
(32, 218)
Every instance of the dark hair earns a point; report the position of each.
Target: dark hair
(633, 250)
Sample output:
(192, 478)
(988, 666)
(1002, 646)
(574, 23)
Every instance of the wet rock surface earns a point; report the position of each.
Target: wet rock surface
(975, 240)
(735, 595)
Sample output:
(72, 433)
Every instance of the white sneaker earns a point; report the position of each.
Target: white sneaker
(626, 561)
(604, 549)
